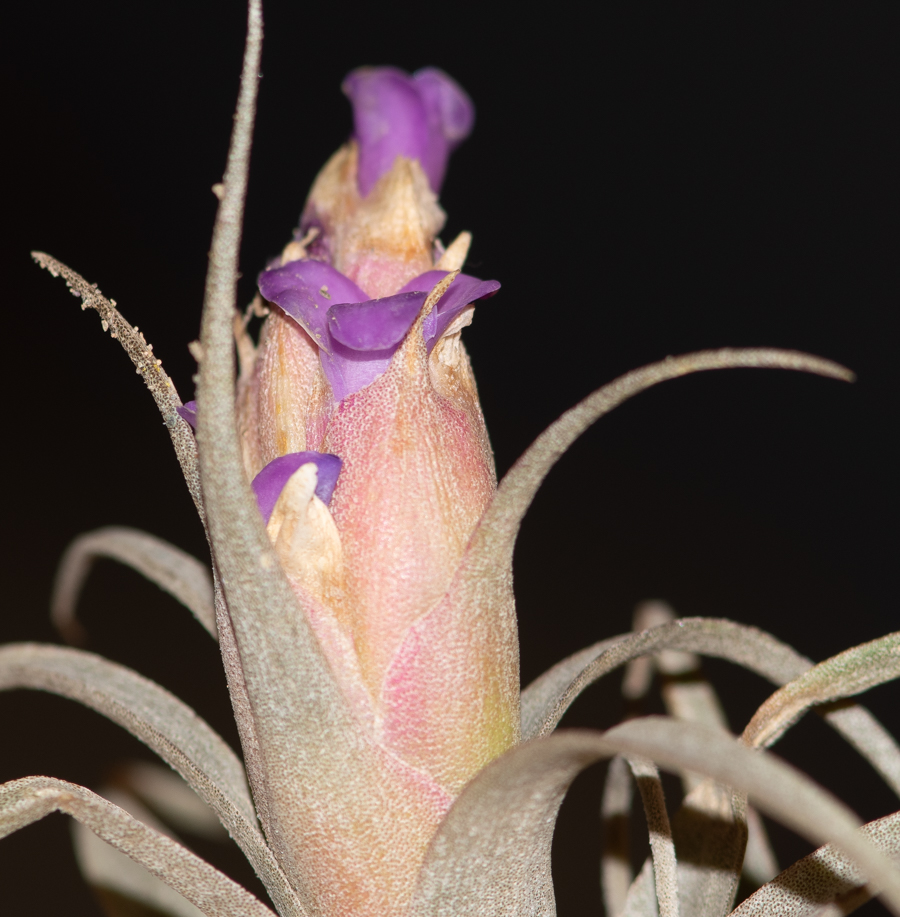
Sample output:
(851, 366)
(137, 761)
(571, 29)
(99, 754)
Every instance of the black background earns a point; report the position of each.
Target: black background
(644, 179)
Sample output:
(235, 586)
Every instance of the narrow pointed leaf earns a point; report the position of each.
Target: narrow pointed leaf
(184, 577)
(25, 801)
(272, 638)
(849, 673)
(146, 364)
(825, 877)
(491, 855)
(489, 555)
(165, 724)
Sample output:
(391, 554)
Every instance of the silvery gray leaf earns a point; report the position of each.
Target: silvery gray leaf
(108, 869)
(750, 647)
(184, 577)
(25, 801)
(146, 364)
(616, 874)
(823, 883)
(662, 846)
(490, 857)
(310, 754)
(717, 835)
(164, 723)
(851, 672)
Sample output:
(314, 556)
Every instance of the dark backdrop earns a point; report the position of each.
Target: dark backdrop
(644, 181)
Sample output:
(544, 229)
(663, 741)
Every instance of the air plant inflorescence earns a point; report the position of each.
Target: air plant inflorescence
(361, 595)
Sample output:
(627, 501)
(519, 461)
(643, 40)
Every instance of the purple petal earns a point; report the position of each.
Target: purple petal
(422, 117)
(451, 116)
(464, 290)
(389, 120)
(188, 412)
(270, 482)
(356, 336)
(379, 324)
(350, 370)
(306, 290)
(365, 336)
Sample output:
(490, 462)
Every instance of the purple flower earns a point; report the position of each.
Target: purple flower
(270, 482)
(424, 116)
(188, 412)
(358, 336)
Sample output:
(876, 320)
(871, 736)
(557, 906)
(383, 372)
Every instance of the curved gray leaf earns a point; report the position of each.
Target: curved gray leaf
(716, 834)
(615, 811)
(710, 834)
(824, 878)
(184, 577)
(25, 801)
(851, 672)
(167, 726)
(491, 855)
(105, 867)
(546, 700)
(542, 695)
(488, 557)
(145, 362)
(710, 831)
(662, 846)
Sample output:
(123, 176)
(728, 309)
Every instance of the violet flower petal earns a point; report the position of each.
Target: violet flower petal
(378, 324)
(463, 291)
(422, 117)
(270, 482)
(451, 116)
(349, 370)
(389, 120)
(356, 336)
(306, 290)
(188, 412)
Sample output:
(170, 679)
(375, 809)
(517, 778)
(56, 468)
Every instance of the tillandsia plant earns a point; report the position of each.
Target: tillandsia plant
(361, 596)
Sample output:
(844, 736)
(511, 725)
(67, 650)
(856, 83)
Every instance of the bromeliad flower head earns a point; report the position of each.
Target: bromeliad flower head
(361, 591)
(373, 209)
(361, 367)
